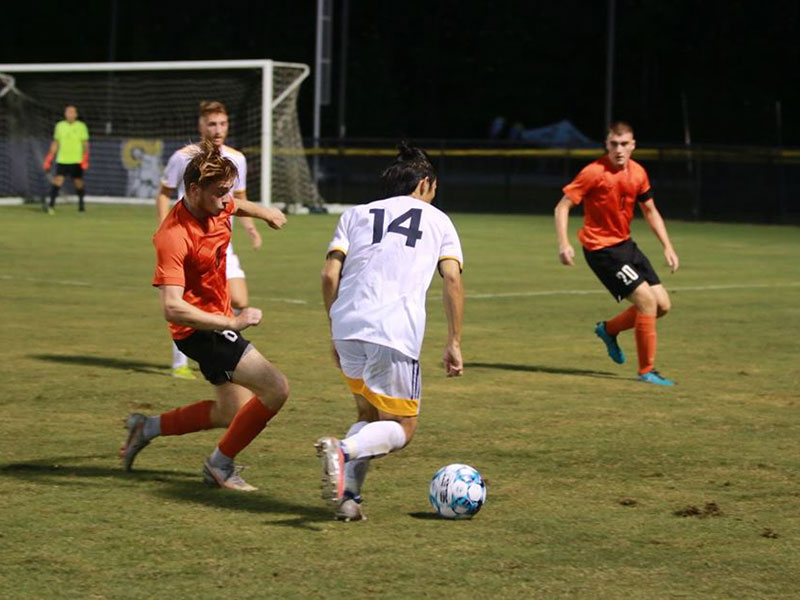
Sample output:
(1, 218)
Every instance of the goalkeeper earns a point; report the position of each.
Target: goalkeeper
(70, 148)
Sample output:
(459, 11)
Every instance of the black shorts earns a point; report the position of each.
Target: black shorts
(74, 171)
(621, 268)
(217, 352)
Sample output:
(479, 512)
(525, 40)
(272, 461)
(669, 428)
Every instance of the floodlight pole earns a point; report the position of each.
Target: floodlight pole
(612, 21)
(112, 56)
(322, 65)
(344, 35)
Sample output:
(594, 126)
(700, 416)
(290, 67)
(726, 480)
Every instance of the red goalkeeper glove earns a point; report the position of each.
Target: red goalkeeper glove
(48, 161)
(85, 161)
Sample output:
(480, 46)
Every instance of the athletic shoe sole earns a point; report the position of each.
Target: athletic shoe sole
(332, 462)
(214, 476)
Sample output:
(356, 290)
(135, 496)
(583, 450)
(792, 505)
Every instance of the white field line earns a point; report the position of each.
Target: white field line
(695, 288)
(51, 281)
(68, 282)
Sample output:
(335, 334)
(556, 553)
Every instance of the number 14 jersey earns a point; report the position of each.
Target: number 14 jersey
(392, 248)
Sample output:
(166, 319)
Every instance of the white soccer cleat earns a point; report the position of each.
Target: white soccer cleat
(136, 441)
(332, 460)
(228, 478)
(350, 510)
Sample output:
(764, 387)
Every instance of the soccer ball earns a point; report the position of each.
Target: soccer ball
(457, 491)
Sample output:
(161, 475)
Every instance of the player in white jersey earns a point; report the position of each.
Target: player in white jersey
(374, 283)
(212, 125)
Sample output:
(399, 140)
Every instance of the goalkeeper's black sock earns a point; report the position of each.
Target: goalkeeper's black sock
(53, 193)
(81, 192)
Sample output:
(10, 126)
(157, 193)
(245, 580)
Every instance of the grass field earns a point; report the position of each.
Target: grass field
(586, 467)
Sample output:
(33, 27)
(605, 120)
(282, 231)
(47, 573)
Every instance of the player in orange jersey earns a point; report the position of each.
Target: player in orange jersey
(212, 124)
(608, 188)
(191, 248)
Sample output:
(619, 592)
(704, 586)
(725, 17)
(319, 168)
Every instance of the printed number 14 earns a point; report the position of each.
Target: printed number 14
(412, 232)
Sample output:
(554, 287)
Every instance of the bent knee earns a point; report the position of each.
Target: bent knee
(275, 391)
(645, 301)
(664, 308)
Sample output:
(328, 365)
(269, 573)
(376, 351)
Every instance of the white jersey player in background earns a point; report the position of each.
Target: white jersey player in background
(374, 282)
(213, 126)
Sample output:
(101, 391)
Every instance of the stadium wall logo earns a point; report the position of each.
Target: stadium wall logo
(142, 161)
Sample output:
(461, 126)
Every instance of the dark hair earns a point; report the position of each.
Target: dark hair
(411, 166)
(208, 166)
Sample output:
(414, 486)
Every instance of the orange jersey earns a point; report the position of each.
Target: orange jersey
(608, 195)
(191, 254)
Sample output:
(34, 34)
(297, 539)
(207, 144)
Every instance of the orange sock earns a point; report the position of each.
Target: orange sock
(645, 333)
(624, 320)
(246, 425)
(187, 419)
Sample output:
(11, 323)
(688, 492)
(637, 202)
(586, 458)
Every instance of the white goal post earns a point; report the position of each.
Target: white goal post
(118, 97)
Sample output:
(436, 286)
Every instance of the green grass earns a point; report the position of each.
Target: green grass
(586, 467)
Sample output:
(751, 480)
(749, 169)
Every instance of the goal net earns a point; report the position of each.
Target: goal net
(138, 114)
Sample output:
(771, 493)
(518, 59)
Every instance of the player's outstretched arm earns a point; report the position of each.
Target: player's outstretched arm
(656, 222)
(162, 202)
(453, 298)
(247, 222)
(178, 311)
(566, 253)
(269, 214)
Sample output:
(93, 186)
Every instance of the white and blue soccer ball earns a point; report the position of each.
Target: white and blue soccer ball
(457, 491)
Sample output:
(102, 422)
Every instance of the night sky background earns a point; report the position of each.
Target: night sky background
(446, 69)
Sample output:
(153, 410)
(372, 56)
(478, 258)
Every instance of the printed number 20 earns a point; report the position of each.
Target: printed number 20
(627, 275)
(412, 232)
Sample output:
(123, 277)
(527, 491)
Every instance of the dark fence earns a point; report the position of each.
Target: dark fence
(701, 183)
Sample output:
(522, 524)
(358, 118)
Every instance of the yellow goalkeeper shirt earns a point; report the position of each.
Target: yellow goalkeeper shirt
(70, 138)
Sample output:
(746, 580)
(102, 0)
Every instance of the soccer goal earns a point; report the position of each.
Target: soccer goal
(138, 113)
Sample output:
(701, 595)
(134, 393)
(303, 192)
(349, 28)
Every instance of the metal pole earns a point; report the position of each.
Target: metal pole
(322, 75)
(266, 132)
(341, 128)
(317, 89)
(112, 55)
(697, 202)
(344, 38)
(112, 42)
(610, 61)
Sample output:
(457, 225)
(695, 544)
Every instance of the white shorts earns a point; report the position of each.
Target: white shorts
(233, 269)
(387, 378)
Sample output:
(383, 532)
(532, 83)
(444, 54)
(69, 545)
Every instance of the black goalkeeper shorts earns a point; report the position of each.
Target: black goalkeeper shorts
(74, 171)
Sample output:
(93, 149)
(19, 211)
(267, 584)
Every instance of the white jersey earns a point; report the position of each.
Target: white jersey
(176, 166)
(392, 249)
(173, 172)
